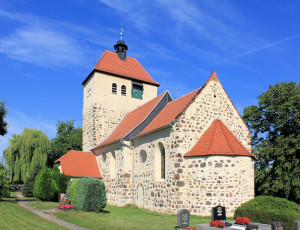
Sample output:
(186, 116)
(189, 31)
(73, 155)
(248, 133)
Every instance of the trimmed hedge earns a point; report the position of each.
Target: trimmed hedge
(72, 191)
(91, 195)
(61, 181)
(4, 184)
(266, 209)
(45, 187)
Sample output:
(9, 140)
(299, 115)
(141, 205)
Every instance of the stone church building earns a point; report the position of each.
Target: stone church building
(158, 153)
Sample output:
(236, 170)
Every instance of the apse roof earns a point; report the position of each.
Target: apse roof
(218, 140)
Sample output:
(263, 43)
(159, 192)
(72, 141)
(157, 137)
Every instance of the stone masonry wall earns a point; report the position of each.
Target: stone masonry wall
(98, 122)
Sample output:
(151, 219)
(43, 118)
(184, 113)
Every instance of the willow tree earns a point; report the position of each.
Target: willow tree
(24, 152)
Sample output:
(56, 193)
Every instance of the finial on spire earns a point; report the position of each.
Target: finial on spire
(121, 34)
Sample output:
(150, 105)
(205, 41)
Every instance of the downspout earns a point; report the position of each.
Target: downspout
(131, 146)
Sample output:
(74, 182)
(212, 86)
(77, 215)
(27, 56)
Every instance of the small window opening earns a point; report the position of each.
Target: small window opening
(114, 88)
(123, 90)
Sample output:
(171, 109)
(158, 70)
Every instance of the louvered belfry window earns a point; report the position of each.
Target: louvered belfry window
(123, 90)
(114, 88)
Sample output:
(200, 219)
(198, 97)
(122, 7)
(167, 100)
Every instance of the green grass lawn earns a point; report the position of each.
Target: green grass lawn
(13, 216)
(119, 218)
(125, 218)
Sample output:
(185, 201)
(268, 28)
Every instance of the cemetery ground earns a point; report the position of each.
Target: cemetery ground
(12, 216)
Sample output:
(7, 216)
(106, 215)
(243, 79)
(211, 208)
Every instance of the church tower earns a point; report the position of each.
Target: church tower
(117, 85)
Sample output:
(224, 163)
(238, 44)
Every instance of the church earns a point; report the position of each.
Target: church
(159, 153)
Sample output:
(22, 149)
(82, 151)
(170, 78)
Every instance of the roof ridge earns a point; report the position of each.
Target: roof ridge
(212, 136)
(222, 126)
(162, 96)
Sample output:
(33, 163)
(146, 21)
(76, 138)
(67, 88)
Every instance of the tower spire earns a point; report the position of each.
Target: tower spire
(121, 47)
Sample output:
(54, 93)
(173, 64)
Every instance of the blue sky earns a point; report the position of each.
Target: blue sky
(47, 48)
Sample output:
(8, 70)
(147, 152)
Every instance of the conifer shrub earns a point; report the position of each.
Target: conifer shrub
(61, 181)
(266, 209)
(4, 184)
(27, 189)
(72, 191)
(45, 187)
(91, 195)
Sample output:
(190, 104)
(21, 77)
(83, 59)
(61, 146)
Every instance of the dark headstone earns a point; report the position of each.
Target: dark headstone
(277, 226)
(218, 213)
(297, 225)
(183, 218)
(251, 227)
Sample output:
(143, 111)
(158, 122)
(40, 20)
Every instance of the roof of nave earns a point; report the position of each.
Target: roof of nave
(130, 68)
(132, 120)
(219, 140)
(79, 164)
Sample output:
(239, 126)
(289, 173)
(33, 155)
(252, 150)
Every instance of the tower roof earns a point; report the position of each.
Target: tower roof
(219, 140)
(130, 68)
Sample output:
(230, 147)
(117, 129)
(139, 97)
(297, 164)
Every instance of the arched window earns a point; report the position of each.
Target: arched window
(114, 88)
(123, 90)
(143, 156)
(162, 161)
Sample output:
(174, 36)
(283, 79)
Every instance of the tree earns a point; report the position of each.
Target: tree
(24, 152)
(275, 125)
(27, 189)
(67, 138)
(61, 180)
(3, 123)
(4, 185)
(45, 187)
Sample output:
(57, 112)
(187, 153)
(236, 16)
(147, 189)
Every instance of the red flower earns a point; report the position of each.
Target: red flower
(62, 206)
(217, 224)
(242, 220)
(69, 206)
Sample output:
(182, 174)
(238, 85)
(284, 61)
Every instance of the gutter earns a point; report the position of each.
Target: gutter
(153, 131)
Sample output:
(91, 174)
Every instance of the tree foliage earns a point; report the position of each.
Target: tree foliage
(3, 123)
(275, 125)
(45, 187)
(67, 138)
(25, 151)
(27, 189)
(61, 181)
(4, 184)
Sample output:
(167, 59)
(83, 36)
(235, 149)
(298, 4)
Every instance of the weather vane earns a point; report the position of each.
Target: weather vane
(121, 34)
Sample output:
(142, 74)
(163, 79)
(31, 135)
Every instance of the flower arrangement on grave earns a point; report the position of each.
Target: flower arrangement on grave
(217, 224)
(242, 220)
(63, 206)
(190, 228)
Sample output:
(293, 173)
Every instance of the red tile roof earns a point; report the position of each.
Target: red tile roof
(81, 164)
(170, 112)
(130, 68)
(219, 140)
(131, 121)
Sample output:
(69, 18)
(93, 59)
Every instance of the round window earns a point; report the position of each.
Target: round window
(143, 156)
(104, 157)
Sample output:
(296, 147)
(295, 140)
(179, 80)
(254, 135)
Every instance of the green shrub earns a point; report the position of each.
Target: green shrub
(266, 209)
(72, 191)
(61, 181)
(4, 184)
(27, 189)
(45, 187)
(91, 195)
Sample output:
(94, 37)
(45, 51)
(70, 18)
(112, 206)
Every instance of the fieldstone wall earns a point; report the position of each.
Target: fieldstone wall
(194, 183)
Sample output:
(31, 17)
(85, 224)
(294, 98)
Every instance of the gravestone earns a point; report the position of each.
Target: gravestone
(183, 218)
(297, 225)
(218, 213)
(277, 226)
(251, 227)
(63, 198)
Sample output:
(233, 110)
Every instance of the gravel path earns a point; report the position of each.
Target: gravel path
(46, 214)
